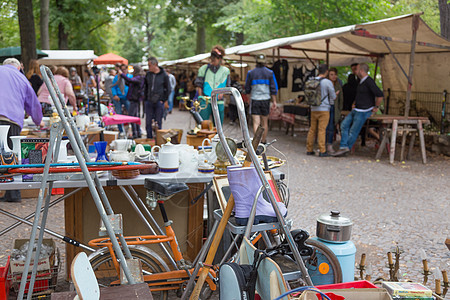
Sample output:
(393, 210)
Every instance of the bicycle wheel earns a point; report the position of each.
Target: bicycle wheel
(323, 265)
(105, 272)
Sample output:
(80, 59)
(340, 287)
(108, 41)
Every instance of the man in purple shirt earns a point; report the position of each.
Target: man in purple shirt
(17, 96)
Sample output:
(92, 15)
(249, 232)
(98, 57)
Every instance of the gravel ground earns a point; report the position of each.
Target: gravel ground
(405, 205)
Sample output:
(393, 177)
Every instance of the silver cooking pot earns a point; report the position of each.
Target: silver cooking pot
(334, 228)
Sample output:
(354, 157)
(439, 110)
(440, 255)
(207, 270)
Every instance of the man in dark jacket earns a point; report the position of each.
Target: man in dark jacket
(156, 92)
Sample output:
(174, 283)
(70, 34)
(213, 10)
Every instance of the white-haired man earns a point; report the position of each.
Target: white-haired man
(17, 96)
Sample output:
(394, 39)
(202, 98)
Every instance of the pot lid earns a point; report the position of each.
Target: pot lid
(334, 218)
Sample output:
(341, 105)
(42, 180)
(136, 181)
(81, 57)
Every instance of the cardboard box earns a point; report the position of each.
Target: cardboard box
(162, 134)
(44, 264)
(108, 136)
(33, 193)
(351, 294)
(150, 142)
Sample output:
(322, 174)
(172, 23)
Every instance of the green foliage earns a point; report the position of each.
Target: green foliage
(9, 32)
(167, 29)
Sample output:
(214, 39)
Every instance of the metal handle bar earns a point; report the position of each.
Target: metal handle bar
(244, 127)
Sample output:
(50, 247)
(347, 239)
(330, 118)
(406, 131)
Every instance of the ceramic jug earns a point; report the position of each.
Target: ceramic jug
(17, 147)
(4, 129)
(168, 158)
(62, 154)
(121, 144)
(208, 154)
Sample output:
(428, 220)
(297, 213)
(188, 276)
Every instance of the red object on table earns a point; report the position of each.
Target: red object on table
(4, 282)
(361, 284)
(120, 119)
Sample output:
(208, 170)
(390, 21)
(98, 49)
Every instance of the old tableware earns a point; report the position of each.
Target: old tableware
(168, 158)
(333, 227)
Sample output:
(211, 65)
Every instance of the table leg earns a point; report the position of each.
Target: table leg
(404, 136)
(383, 144)
(422, 141)
(411, 144)
(393, 141)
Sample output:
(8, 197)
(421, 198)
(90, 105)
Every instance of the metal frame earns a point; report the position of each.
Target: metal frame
(98, 194)
(260, 171)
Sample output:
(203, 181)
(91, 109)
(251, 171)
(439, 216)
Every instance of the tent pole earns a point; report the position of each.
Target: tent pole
(279, 89)
(415, 27)
(242, 73)
(376, 69)
(328, 51)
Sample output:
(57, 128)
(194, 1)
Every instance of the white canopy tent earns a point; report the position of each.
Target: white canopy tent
(68, 57)
(395, 44)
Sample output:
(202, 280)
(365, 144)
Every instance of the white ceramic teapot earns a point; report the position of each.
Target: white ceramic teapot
(168, 157)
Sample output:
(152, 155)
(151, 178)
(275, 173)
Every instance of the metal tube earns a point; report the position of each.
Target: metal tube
(36, 219)
(51, 232)
(251, 217)
(138, 211)
(30, 216)
(69, 126)
(200, 258)
(233, 243)
(146, 211)
(257, 165)
(41, 235)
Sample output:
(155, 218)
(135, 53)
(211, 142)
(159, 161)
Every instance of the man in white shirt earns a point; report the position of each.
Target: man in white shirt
(173, 84)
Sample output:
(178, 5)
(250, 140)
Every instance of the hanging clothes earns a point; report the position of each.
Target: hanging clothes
(280, 68)
(298, 80)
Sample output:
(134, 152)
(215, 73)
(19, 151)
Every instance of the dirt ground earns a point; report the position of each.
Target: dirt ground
(405, 204)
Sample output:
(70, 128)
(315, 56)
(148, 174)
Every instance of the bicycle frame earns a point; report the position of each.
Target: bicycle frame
(159, 281)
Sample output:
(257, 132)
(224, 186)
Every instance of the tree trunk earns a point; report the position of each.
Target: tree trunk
(27, 31)
(45, 38)
(63, 36)
(239, 38)
(444, 10)
(201, 36)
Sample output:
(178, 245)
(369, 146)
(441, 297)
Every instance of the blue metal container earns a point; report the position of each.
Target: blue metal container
(345, 253)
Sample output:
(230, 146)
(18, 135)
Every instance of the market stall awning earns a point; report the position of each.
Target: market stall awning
(110, 59)
(68, 57)
(16, 52)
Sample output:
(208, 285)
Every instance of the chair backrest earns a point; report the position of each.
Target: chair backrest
(84, 278)
(268, 272)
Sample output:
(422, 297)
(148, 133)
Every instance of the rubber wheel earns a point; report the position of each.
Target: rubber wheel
(323, 265)
(106, 273)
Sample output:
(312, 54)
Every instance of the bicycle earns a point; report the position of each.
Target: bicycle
(161, 278)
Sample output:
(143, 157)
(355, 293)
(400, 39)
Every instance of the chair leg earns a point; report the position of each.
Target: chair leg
(393, 141)
(411, 145)
(422, 142)
(383, 144)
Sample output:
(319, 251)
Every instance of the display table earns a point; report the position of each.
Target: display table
(390, 129)
(82, 220)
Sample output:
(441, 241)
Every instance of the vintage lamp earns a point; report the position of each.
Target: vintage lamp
(194, 107)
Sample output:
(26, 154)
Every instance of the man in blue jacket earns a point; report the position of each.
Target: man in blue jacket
(262, 86)
(120, 90)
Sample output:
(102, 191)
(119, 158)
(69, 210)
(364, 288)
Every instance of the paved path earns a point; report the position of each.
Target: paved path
(403, 204)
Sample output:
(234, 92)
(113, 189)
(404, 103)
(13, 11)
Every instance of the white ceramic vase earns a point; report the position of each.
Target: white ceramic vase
(17, 147)
(4, 139)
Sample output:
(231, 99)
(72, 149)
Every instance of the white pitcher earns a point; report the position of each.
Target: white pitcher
(17, 147)
(209, 156)
(121, 145)
(168, 158)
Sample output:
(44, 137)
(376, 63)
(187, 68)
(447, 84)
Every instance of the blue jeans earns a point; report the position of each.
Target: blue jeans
(118, 108)
(330, 127)
(153, 111)
(171, 95)
(351, 126)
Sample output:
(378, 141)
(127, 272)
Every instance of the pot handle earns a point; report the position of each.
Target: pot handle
(333, 228)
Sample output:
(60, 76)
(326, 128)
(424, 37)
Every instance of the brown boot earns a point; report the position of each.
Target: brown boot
(330, 149)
